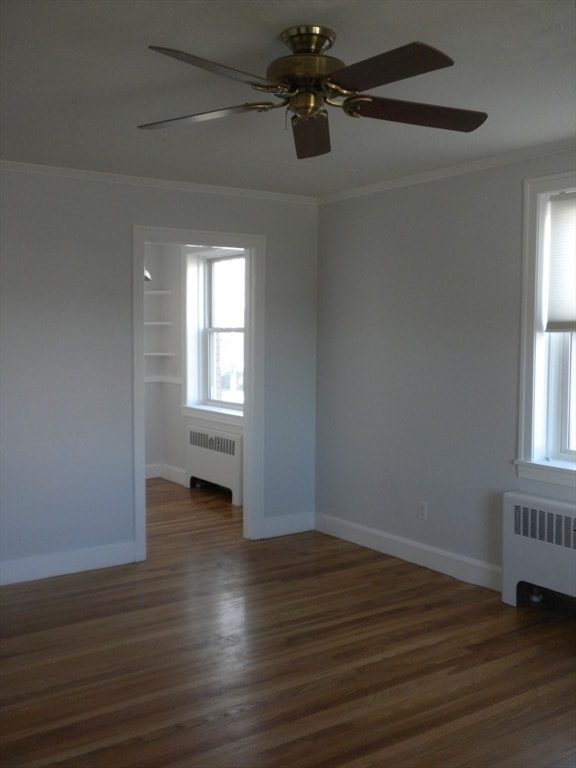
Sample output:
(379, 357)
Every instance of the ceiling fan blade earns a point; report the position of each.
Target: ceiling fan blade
(211, 66)
(214, 114)
(398, 64)
(415, 113)
(311, 136)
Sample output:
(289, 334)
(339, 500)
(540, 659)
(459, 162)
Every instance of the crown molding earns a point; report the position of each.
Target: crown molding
(141, 181)
(494, 161)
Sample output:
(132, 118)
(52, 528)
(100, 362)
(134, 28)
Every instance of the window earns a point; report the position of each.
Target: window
(224, 330)
(215, 327)
(548, 396)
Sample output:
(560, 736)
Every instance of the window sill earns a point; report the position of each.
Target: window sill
(557, 472)
(228, 416)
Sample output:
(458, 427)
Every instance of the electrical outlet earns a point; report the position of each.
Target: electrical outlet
(423, 510)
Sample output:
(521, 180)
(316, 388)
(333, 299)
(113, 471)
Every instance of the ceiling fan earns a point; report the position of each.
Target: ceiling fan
(307, 80)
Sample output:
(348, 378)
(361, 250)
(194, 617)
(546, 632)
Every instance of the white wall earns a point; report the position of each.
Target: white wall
(418, 366)
(154, 427)
(165, 433)
(67, 484)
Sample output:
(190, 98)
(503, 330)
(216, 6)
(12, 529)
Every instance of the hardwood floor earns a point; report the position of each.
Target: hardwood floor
(299, 652)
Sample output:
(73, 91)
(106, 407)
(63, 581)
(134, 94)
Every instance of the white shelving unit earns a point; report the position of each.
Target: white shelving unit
(161, 358)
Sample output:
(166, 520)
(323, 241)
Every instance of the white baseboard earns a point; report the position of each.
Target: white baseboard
(62, 563)
(459, 567)
(175, 475)
(283, 525)
(166, 472)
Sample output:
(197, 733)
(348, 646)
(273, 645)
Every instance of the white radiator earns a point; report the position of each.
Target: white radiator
(217, 458)
(539, 545)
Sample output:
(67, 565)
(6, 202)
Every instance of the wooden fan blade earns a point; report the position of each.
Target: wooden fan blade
(211, 66)
(311, 136)
(398, 64)
(214, 114)
(415, 113)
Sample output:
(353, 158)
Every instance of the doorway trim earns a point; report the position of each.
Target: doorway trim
(253, 424)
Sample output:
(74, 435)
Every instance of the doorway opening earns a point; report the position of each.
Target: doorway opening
(171, 361)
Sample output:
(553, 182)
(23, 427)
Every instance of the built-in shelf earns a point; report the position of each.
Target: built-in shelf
(162, 336)
(157, 322)
(163, 380)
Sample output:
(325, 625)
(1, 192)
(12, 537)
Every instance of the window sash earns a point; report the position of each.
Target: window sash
(223, 387)
(561, 397)
(568, 436)
(225, 348)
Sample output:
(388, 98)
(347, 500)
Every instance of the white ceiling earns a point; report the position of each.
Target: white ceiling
(78, 77)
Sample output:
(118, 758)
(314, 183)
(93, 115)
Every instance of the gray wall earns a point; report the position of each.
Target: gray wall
(417, 356)
(67, 479)
(418, 361)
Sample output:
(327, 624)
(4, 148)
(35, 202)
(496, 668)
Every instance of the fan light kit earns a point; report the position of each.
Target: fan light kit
(307, 81)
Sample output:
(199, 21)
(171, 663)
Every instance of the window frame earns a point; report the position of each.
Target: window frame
(543, 391)
(195, 392)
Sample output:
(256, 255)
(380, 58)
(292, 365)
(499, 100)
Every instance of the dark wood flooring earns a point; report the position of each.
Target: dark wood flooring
(297, 652)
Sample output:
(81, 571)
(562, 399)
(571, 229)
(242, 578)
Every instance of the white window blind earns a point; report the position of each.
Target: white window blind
(561, 314)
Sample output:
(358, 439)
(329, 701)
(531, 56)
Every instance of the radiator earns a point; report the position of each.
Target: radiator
(539, 545)
(216, 458)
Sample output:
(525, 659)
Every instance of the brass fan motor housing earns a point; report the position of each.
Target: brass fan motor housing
(302, 70)
(303, 76)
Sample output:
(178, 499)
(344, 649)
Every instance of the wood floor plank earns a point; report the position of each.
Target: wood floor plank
(299, 652)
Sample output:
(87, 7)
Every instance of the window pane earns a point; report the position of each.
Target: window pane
(228, 293)
(572, 395)
(227, 366)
